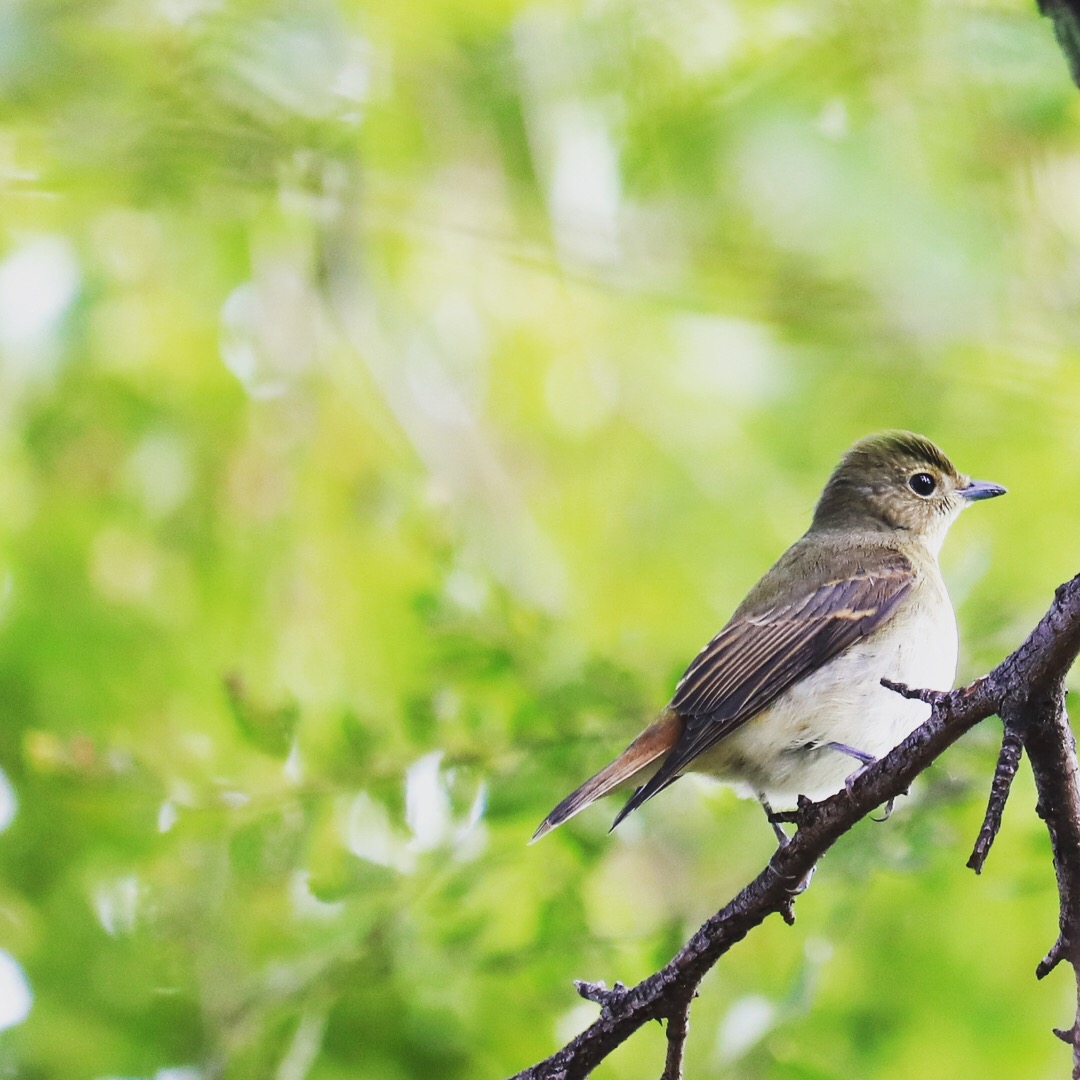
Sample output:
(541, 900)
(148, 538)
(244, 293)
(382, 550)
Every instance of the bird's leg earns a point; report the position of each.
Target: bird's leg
(865, 759)
(774, 819)
(794, 887)
(858, 755)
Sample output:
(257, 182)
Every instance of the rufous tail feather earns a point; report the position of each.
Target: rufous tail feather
(655, 741)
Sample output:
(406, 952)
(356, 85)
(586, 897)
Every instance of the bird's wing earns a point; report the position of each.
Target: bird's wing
(756, 657)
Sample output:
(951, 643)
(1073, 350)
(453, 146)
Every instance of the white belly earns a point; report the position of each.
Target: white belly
(781, 752)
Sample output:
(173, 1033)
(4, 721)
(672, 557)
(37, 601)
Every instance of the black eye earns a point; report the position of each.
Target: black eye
(922, 484)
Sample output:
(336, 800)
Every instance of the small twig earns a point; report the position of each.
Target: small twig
(1051, 959)
(787, 910)
(1012, 749)
(608, 1000)
(931, 697)
(678, 1026)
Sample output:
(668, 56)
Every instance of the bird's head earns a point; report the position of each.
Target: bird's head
(898, 481)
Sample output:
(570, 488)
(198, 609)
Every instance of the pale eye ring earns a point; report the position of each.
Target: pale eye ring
(923, 484)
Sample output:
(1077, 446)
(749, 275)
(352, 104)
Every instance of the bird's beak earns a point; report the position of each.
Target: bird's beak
(980, 489)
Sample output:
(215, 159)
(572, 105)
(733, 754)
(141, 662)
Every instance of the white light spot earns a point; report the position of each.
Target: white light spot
(427, 805)
(159, 473)
(468, 589)
(304, 1049)
(294, 765)
(167, 816)
(746, 1023)
(306, 903)
(353, 79)
(240, 313)
(179, 12)
(791, 175)
(704, 36)
(726, 358)
(116, 903)
(369, 834)
(585, 188)
(38, 281)
(15, 995)
(9, 803)
(270, 330)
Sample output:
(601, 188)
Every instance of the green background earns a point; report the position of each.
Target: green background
(394, 396)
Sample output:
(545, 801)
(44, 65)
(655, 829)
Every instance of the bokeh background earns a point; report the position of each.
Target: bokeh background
(394, 396)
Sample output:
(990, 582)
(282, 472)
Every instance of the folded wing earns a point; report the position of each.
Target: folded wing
(754, 659)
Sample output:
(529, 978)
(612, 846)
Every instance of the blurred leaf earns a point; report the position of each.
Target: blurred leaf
(270, 728)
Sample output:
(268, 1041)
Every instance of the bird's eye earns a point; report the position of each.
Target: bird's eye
(922, 484)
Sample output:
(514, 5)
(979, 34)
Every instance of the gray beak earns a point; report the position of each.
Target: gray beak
(980, 489)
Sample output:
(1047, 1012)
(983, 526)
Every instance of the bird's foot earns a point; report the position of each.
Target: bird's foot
(890, 806)
(804, 883)
(793, 885)
(775, 820)
(865, 760)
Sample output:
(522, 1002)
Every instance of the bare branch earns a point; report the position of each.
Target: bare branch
(1012, 749)
(1051, 749)
(598, 992)
(1051, 959)
(678, 1027)
(931, 697)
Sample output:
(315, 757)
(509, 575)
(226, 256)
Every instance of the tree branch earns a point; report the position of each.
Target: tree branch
(1026, 690)
(1065, 15)
(678, 1027)
(1052, 750)
(1012, 749)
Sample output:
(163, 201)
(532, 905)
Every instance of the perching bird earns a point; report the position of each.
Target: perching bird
(788, 695)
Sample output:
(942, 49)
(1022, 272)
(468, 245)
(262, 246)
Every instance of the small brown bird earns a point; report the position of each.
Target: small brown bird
(789, 691)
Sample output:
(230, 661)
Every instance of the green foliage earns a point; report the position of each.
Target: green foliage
(395, 397)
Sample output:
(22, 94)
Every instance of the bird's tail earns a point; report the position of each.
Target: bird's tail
(655, 741)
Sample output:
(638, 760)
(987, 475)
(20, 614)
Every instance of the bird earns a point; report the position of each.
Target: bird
(786, 702)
